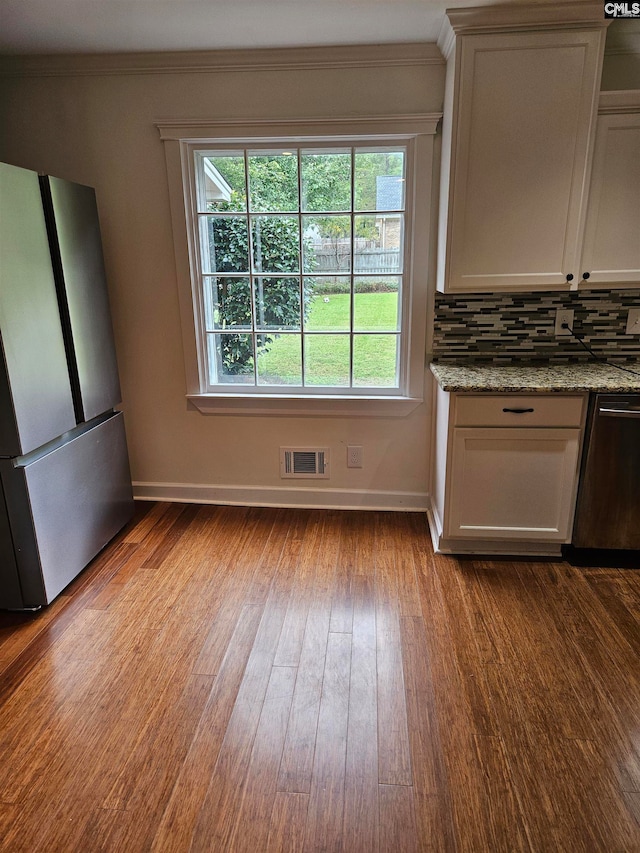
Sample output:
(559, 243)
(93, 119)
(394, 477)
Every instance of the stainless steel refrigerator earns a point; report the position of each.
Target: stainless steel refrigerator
(65, 486)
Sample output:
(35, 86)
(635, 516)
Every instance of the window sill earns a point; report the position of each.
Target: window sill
(304, 406)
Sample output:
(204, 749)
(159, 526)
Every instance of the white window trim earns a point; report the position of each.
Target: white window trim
(415, 131)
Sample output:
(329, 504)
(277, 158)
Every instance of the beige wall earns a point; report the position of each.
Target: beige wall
(98, 128)
(621, 68)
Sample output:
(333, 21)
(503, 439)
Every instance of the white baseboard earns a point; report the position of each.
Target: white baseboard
(282, 496)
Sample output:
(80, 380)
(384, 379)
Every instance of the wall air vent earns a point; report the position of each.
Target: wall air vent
(312, 462)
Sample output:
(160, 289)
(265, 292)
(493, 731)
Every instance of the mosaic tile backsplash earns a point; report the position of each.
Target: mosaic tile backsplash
(508, 327)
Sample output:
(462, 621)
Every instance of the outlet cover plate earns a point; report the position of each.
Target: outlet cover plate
(563, 315)
(354, 456)
(633, 321)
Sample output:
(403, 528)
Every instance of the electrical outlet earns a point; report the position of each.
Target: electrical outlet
(563, 315)
(633, 321)
(354, 456)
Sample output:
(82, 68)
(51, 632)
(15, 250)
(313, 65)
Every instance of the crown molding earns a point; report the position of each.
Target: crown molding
(482, 19)
(392, 126)
(207, 62)
(446, 38)
(619, 101)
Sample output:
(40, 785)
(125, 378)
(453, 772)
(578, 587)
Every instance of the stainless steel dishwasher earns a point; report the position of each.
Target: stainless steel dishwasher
(608, 507)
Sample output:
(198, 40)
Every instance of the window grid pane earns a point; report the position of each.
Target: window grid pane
(310, 293)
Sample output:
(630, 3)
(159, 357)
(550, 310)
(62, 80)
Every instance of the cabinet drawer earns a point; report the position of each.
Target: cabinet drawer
(518, 410)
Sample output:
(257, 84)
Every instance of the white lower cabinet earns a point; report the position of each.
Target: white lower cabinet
(512, 484)
(506, 471)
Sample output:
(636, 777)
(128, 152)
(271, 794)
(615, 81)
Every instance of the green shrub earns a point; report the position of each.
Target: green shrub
(280, 253)
(325, 287)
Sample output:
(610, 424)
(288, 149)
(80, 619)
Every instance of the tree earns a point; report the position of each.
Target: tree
(276, 242)
(277, 297)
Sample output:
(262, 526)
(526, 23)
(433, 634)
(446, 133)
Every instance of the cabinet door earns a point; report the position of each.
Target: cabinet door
(513, 483)
(612, 236)
(524, 120)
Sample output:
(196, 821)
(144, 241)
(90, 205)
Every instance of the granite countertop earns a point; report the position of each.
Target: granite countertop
(516, 379)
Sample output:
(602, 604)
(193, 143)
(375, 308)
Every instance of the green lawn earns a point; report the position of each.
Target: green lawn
(327, 356)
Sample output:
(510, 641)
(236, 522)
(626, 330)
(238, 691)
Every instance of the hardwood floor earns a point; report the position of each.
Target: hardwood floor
(233, 679)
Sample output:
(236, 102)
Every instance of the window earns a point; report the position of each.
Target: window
(307, 264)
(301, 258)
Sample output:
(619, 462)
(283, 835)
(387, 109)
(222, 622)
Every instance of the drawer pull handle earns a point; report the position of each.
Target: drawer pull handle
(518, 411)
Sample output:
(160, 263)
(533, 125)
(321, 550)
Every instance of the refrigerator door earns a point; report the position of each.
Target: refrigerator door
(65, 504)
(76, 249)
(10, 592)
(36, 404)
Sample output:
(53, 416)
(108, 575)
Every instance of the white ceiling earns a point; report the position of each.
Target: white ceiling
(108, 26)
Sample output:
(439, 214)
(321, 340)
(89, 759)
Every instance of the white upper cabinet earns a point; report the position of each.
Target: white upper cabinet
(520, 115)
(611, 247)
